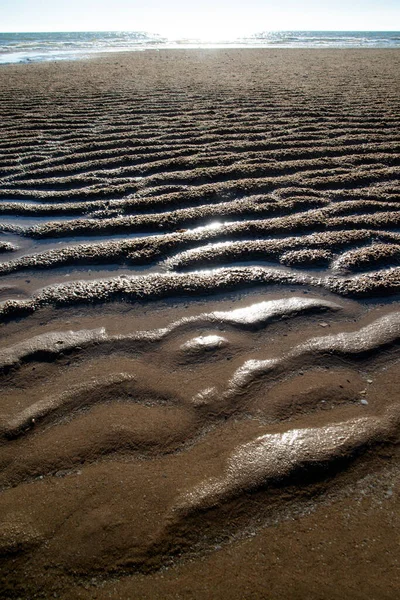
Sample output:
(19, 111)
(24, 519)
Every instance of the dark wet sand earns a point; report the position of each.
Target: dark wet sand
(200, 326)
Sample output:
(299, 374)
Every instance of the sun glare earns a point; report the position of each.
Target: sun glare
(202, 28)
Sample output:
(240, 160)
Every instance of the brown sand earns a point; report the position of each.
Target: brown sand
(200, 326)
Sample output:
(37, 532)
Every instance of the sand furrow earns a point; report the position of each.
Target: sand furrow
(199, 283)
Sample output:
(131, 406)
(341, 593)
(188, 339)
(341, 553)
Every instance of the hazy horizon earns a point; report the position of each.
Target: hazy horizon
(155, 32)
(205, 19)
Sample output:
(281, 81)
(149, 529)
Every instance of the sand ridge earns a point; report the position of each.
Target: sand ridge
(199, 279)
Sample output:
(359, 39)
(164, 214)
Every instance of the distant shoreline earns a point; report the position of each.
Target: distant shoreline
(99, 55)
(23, 47)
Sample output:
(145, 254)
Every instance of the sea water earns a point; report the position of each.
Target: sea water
(25, 47)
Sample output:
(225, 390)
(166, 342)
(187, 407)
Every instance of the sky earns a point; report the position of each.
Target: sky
(206, 19)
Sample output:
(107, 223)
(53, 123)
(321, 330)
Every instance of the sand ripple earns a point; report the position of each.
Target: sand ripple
(199, 270)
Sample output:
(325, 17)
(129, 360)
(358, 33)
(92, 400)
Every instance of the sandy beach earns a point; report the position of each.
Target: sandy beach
(200, 326)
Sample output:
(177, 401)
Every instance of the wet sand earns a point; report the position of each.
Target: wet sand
(200, 326)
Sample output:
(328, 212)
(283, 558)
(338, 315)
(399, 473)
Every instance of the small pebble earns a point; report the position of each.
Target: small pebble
(364, 401)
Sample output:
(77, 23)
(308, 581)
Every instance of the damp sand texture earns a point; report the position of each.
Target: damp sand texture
(200, 326)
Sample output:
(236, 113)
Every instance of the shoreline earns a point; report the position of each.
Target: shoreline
(100, 54)
(74, 45)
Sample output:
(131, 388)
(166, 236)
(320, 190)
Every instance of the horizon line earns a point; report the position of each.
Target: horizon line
(154, 33)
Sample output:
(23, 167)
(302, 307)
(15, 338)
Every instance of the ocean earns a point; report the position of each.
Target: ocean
(26, 47)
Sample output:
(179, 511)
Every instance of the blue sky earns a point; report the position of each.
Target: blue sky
(209, 19)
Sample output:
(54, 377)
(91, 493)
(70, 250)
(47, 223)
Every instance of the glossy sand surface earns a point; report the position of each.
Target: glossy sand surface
(200, 326)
